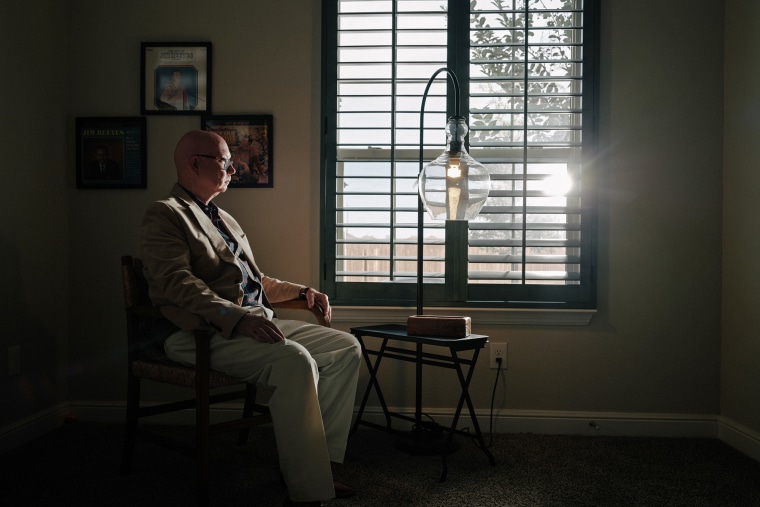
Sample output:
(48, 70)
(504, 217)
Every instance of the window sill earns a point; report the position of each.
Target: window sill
(483, 316)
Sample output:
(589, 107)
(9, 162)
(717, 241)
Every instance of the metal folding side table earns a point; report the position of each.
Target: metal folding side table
(420, 356)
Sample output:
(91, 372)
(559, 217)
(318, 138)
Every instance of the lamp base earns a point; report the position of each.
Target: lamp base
(439, 326)
(427, 442)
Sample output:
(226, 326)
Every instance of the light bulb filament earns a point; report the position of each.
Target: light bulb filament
(454, 170)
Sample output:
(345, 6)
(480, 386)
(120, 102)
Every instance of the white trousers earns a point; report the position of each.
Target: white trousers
(312, 378)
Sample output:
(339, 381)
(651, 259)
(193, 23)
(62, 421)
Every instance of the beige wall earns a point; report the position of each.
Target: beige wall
(653, 347)
(740, 375)
(34, 232)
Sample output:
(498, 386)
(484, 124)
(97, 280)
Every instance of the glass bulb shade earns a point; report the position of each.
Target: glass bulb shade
(454, 186)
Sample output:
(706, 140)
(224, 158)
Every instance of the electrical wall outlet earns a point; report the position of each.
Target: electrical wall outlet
(14, 360)
(498, 350)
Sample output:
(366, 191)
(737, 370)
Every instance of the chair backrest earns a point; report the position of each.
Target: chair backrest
(142, 316)
(134, 283)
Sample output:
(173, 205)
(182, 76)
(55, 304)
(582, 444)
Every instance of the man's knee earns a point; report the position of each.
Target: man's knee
(357, 349)
(295, 359)
(351, 346)
(352, 350)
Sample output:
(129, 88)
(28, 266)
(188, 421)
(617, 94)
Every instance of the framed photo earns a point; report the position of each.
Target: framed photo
(250, 141)
(111, 152)
(175, 78)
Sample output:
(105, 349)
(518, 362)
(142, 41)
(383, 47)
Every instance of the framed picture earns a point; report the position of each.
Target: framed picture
(111, 152)
(250, 141)
(175, 78)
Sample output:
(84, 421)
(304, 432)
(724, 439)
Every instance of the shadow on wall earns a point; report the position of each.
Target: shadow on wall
(26, 337)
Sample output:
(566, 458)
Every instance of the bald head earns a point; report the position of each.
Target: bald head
(195, 141)
(197, 159)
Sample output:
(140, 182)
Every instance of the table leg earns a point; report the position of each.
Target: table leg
(373, 382)
(418, 388)
(464, 382)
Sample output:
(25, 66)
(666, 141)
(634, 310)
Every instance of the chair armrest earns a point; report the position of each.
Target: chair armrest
(301, 304)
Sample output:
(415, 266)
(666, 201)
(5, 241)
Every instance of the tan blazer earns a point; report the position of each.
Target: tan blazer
(191, 272)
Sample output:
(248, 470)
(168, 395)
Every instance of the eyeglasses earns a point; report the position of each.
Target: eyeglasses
(226, 162)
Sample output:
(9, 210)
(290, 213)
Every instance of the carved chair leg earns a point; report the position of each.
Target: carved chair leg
(130, 430)
(248, 408)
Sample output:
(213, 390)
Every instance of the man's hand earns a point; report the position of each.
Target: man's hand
(314, 296)
(260, 329)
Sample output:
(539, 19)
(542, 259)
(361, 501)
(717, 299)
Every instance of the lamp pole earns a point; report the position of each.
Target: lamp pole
(420, 205)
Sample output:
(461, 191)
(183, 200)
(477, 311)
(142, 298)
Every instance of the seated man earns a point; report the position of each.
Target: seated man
(201, 271)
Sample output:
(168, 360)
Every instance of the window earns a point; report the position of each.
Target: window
(526, 70)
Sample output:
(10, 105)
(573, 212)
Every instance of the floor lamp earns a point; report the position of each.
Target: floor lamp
(453, 187)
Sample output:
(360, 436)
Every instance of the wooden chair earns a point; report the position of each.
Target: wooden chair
(147, 361)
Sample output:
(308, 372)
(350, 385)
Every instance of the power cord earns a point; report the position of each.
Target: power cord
(493, 398)
(490, 416)
(431, 426)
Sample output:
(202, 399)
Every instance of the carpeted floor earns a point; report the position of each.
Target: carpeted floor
(77, 465)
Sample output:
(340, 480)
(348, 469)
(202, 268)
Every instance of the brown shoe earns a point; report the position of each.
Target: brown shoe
(343, 490)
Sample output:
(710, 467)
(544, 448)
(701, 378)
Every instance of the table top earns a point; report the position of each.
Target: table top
(398, 332)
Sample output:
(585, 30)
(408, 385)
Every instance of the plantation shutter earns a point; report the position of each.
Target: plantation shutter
(526, 70)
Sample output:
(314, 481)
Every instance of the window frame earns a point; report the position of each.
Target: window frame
(516, 296)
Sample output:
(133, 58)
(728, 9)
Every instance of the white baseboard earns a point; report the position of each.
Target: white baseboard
(29, 428)
(574, 423)
(547, 422)
(739, 437)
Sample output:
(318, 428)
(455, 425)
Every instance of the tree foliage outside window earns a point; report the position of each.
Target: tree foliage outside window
(527, 71)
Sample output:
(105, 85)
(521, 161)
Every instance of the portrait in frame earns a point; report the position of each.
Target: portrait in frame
(175, 78)
(111, 152)
(250, 139)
